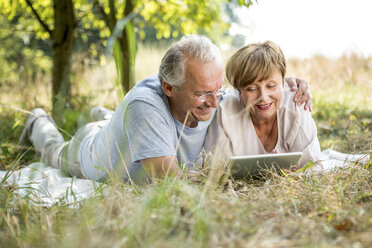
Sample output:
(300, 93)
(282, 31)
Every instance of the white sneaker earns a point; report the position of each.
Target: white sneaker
(26, 133)
(100, 113)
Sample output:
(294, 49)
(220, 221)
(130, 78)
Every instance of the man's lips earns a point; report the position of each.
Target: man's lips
(204, 110)
(264, 106)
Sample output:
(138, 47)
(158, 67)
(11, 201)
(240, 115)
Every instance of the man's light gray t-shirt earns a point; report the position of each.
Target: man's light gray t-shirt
(142, 127)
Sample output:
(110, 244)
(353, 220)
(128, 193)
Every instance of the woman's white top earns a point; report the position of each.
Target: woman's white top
(232, 132)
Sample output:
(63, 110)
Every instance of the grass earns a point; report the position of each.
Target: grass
(342, 100)
(332, 210)
(317, 211)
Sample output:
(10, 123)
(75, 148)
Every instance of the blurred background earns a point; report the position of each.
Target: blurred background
(70, 55)
(305, 28)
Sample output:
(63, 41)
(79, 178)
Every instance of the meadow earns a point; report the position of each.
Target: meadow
(330, 210)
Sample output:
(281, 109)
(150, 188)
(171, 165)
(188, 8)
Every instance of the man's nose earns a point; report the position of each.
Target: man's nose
(212, 101)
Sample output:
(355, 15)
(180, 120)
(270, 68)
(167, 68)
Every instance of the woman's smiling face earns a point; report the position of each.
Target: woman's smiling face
(263, 98)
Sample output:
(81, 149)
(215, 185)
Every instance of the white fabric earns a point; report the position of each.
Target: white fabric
(46, 185)
(46, 139)
(331, 160)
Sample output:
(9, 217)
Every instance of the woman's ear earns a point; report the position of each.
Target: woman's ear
(168, 89)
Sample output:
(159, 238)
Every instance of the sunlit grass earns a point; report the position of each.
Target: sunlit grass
(333, 210)
(344, 118)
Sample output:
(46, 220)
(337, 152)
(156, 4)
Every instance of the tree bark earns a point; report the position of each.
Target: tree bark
(128, 50)
(125, 46)
(63, 44)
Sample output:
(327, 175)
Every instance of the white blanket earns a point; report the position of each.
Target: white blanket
(46, 185)
(331, 160)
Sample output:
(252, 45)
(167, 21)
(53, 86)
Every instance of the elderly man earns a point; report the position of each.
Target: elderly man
(160, 125)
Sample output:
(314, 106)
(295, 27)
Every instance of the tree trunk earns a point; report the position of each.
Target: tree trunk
(128, 56)
(63, 43)
(128, 50)
(125, 46)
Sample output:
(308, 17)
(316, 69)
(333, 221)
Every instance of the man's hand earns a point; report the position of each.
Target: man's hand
(303, 92)
(161, 167)
(196, 176)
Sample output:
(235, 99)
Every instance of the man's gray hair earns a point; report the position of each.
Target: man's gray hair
(172, 67)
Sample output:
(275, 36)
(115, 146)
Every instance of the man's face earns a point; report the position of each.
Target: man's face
(201, 78)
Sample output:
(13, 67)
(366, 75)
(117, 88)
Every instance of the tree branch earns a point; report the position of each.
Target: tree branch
(104, 15)
(129, 7)
(42, 23)
(112, 16)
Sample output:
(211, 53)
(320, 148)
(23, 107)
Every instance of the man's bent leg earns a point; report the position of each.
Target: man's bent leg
(48, 141)
(41, 131)
(70, 154)
(43, 134)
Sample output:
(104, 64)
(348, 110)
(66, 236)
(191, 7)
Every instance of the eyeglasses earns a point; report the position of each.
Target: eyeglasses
(202, 97)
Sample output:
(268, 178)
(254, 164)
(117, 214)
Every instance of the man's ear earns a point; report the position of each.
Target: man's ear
(168, 89)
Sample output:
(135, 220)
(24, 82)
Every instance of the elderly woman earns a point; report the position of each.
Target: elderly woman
(260, 117)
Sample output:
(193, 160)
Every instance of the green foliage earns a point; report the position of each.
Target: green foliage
(18, 10)
(22, 56)
(12, 156)
(34, 20)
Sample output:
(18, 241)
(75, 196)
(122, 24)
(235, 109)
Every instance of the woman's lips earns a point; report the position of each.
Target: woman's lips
(264, 106)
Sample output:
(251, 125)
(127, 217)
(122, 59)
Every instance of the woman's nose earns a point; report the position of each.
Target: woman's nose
(264, 95)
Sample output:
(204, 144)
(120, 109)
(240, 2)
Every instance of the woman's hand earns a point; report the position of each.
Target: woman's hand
(292, 169)
(287, 171)
(303, 92)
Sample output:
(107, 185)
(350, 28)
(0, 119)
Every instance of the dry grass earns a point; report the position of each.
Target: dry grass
(324, 73)
(316, 211)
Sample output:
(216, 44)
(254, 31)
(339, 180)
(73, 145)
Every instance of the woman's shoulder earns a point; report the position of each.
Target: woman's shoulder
(287, 100)
(289, 106)
(298, 128)
(296, 122)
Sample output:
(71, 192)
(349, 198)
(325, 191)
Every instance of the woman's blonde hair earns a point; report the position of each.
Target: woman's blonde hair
(255, 61)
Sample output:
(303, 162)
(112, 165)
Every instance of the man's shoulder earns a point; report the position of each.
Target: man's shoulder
(148, 90)
(145, 97)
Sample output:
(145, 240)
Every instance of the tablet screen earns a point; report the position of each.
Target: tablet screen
(253, 165)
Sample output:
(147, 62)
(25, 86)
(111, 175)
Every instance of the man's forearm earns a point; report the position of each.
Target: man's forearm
(161, 167)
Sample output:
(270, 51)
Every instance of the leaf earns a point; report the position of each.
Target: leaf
(120, 25)
(16, 124)
(346, 225)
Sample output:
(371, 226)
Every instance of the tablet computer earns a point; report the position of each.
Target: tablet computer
(255, 165)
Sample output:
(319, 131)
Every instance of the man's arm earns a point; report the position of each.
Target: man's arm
(150, 140)
(161, 167)
(303, 91)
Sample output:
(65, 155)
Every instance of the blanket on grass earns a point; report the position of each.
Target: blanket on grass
(47, 186)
